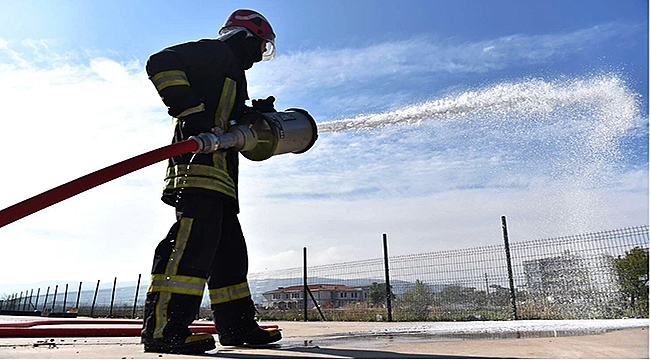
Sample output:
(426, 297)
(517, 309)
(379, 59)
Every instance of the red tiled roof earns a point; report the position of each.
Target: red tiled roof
(317, 287)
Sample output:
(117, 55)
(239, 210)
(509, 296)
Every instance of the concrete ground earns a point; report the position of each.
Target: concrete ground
(593, 339)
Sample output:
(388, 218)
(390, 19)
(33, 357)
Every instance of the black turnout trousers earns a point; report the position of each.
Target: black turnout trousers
(205, 245)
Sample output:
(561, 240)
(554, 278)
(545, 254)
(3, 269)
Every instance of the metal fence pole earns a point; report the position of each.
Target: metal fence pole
(65, 298)
(110, 311)
(135, 301)
(92, 308)
(316, 304)
(78, 296)
(304, 282)
(47, 293)
(513, 299)
(38, 295)
(31, 292)
(56, 289)
(388, 290)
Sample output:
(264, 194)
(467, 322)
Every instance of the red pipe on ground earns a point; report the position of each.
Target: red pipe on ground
(28, 324)
(41, 328)
(84, 331)
(74, 187)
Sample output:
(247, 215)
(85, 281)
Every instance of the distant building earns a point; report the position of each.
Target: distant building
(571, 277)
(327, 296)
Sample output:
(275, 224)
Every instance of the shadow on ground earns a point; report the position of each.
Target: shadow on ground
(318, 352)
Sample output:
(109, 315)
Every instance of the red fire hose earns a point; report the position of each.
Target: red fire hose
(74, 187)
(43, 328)
(108, 328)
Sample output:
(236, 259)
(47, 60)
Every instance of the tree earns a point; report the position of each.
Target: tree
(417, 301)
(454, 294)
(632, 271)
(377, 295)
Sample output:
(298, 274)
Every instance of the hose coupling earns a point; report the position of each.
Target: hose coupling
(238, 137)
(208, 141)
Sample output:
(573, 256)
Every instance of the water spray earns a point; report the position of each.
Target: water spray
(562, 139)
(609, 95)
(258, 136)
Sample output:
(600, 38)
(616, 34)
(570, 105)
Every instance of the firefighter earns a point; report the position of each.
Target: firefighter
(203, 84)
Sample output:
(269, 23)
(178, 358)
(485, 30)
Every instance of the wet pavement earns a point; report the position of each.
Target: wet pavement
(627, 338)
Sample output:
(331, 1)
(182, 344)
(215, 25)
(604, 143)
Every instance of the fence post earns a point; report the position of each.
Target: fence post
(388, 290)
(78, 296)
(135, 301)
(47, 293)
(25, 301)
(304, 282)
(110, 311)
(513, 299)
(31, 292)
(56, 289)
(38, 295)
(92, 308)
(65, 298)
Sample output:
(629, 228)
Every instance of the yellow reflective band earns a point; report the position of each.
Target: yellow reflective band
(177, 284)
(182, 236)
(180, 242)
(192, 110)
(226, 103)
(199, 171)
(203, 183)
(165, 79)
(169, 83)
(179, 278)
(229, 293)
(161, 314)
(178, 74)
(219, 161)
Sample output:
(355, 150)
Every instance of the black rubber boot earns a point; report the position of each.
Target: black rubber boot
(176, 337)
(257, 336)
(191, 345)
(236, 325)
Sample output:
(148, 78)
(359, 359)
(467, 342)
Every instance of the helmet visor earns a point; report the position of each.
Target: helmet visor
(268, 50)
(268, 43)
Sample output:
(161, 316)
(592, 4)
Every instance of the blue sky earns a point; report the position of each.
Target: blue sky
(459, 112)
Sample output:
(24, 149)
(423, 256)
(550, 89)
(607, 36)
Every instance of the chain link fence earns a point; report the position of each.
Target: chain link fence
(572, 277)
(595, 275)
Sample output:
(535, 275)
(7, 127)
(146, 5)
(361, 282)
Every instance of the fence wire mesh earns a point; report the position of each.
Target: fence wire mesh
(594, 275)
(570, 277)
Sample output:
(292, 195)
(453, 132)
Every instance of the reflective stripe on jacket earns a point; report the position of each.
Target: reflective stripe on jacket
(195, 77)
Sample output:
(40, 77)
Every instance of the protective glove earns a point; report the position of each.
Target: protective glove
(195, 124)
(264, 105)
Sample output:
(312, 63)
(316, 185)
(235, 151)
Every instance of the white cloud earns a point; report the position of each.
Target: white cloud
(325, 68)
(65, 119)
(340, 230)
(430, 184)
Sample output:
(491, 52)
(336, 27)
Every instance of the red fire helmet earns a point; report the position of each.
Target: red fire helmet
(255, 24)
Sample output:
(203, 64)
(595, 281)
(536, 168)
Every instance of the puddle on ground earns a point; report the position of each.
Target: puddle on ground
(365, 340)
